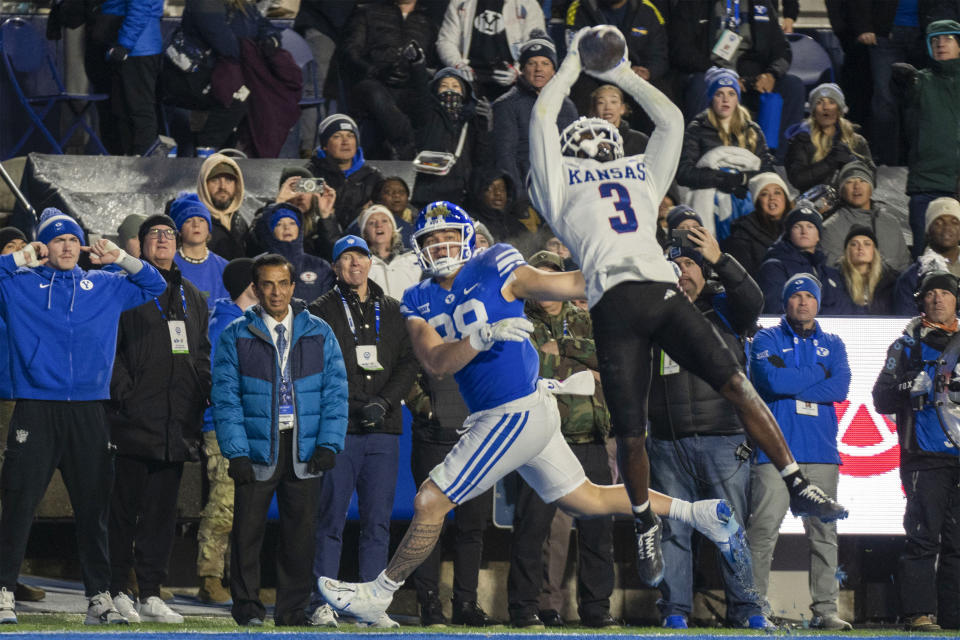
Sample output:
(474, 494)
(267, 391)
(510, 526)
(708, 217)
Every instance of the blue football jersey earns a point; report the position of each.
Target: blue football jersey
(508, 370)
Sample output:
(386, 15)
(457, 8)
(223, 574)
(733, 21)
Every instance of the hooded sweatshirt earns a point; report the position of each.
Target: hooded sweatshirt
(314, 276)
(229, 226)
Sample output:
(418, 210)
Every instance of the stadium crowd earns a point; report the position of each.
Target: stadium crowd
(234, 335)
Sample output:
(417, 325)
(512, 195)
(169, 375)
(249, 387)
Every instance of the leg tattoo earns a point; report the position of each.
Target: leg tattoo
(416, 545)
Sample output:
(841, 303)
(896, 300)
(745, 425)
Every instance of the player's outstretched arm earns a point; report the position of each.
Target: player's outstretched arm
(529, 283)
(439, 358)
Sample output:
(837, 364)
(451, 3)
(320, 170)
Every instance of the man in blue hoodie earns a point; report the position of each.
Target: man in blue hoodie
(62, 329)
(800, 371)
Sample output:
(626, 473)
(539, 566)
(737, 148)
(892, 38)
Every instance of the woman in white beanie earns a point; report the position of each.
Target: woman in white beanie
(820, 145)
(393, 269)
(751, 235)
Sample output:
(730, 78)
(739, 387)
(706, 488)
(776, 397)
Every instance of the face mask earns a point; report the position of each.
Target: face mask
(452, 102)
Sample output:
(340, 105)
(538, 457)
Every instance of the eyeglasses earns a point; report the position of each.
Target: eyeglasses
(170, 234)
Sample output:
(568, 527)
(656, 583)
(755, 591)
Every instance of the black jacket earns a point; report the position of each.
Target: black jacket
(699, 138)
(394, 352)
(876, 16)
(314, 276)
(882, 303)
(505, 225)
(157, 397)
(634, 142)
(354, 187)
(682, 404)
(749, 240)
(229, 244)
(804, 173)
(643, 27)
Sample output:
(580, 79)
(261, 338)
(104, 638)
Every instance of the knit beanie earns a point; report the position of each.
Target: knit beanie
(674, 252)
(337, 122)
(827, 90)
(289, 172)
(186, 206)
(280, 210)
(237, 276)
(762, 180)
(717, 78)
(54, 222)
(539, 44)
(372, 209)
(153, 221)
(678, 214)
(481, 230)
(855, 169)
(945, 206)
(804, 212)
(129, 227)
(860, 230)
(801, 282)
(937, 280)
(9, 234)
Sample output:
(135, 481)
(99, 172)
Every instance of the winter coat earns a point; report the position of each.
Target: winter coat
(877, 16)
(787, 367)
(885, 225)
(932, 112)
(783, 260)
(314, 276)
(246, 379)
(804, 173)
(683, 404)
(62, 326)
(749, 240)
(904, 304)
(507, 225)
(716, 208)
(395, 275)
(157, 397)
(699, 138)
(221, 25)
(882, 303)
(520, 18)
(394, 352)
(643, 27)
(354, 186)
(224, 312)
(634, 142)
(140, 31)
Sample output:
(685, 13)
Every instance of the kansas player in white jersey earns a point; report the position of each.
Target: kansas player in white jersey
(603, 206)
(467, 320)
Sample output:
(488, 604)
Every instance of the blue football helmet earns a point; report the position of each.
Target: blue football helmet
(592, 138)
(443, 216)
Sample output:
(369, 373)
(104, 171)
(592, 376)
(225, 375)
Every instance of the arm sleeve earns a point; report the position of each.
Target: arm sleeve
(887, 397)
(449, 37)
(837, 386)
(333, 406)
(404, 371)
(121, 382)
(210, 20)
(771, 279)
(354, 44)
(774, 381)
(744, 297)
(141, 286)
(688, 173)
(202, 360)
(227, 408)
(506, 133)
(656, 58)
(138, 17)
(802, 172)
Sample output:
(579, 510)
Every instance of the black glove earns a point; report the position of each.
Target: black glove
(269, 46)
(841, 155)
(241, 470)
(323, 459)
(372, 414)
(413, 53)
(734, 183)
(117, 53)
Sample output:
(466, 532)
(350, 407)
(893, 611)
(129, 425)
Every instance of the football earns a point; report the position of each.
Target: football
(602, 48)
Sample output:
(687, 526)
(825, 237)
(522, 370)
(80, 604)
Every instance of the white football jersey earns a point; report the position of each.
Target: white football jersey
(606, 212)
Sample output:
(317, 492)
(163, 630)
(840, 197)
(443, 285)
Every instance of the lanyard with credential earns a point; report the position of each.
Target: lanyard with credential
(353, 327)
(183, 301)
(732, 20)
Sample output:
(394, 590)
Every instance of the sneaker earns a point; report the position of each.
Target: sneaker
(431, 611)
(7, 606)
(383, 622)
(156, 610)
(830, 622)
(809, 500)
(323, 616)
(127, 608)
(921, 623)
(212, 591)
(675, 622)
(649, 556)
(366, 601)
(470, 614)
(760, 622)
(101, 610)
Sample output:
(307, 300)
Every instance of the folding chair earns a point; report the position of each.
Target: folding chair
(24, 54)
(811, 62)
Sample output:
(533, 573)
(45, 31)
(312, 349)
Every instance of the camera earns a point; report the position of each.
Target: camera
(821, 197)
(309, 185)
(681, 238)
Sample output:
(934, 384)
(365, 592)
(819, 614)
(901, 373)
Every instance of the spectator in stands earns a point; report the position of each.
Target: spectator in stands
(751, 235)
(200, 266)
(494, 203)
(381, 41)
(869, 280)
(930, 561)
(642, 25)
(128, 231)
(216, 519)
(555, 245)
(722, 149)
(159, 390)
(446, 120)
(278, 231)
(942, 253)
(339, 160)
(762, 58)
(220, 189)
(438, 413)
(798, 251)
(695, 435)
(394, 193)
(393, 268)
(800, 371)
(511, 111)
(483, 38)
(857, 207)
(931, 116)
(821, 145)
(60, 387)
(563, 335)
(606, 101)
(381, 368)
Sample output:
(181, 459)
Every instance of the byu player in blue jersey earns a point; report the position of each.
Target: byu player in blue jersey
(467, 320)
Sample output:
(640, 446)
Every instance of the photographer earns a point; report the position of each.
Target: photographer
(696, 438)
(381, 369)
(315, 200)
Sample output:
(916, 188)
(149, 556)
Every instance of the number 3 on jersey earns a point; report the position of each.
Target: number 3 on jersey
(626, 222)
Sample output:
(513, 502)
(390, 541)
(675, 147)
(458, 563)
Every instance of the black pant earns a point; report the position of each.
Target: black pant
(44, 436)
(929, 567)
(387, 106)
(133, 102)
(143, 521)
(531, 526)
(297, 499)
(471, 520)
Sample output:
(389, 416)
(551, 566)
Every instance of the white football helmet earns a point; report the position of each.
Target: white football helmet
(593, 138)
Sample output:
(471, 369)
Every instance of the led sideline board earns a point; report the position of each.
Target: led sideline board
(870, 484)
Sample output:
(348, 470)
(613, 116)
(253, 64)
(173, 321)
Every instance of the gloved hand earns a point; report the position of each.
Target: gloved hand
(484, 108)
(506, 330)
(922, 384)
(372, 413)
(466, 70)
(323, 459)
(241, 470)
(734, 183)
(413, 53)
(117, 53)
(269, 46)
(506, 75)
(841, 154)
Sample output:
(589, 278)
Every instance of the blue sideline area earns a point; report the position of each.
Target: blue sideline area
(340, 635)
